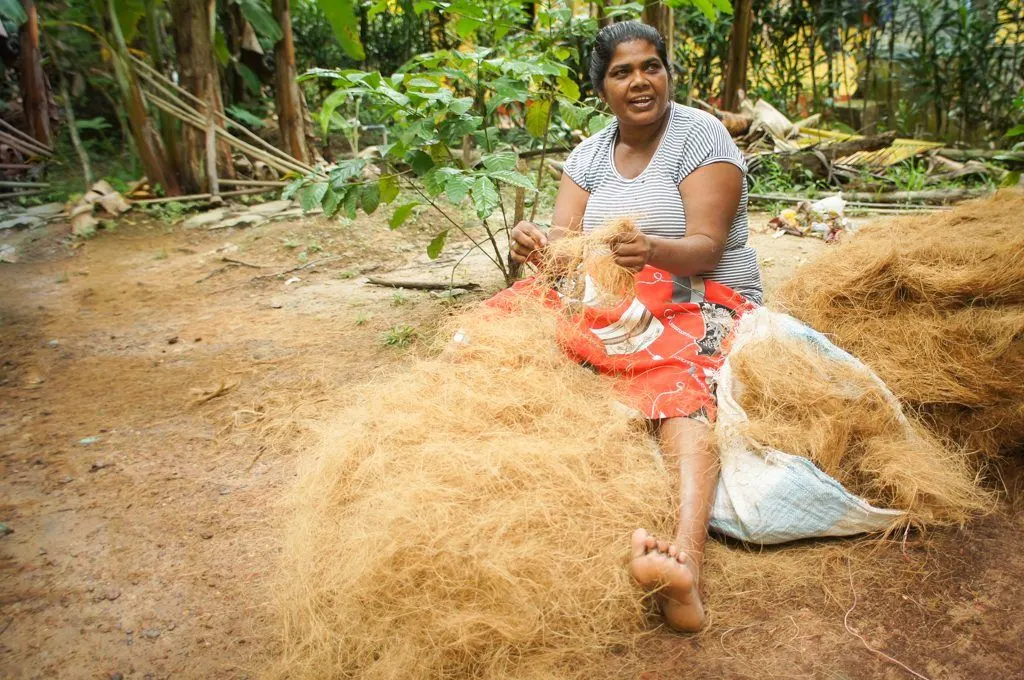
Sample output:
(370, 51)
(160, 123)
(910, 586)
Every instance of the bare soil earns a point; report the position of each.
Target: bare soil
(154, 396)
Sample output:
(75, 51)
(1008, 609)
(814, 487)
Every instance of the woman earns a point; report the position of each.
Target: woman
(676, 171)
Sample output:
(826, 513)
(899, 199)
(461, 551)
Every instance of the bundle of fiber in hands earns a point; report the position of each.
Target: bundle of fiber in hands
(811, 403)
(469, 517)
(581, 256)
(935, 305)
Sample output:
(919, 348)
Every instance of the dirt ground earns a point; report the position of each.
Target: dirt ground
(154, 396)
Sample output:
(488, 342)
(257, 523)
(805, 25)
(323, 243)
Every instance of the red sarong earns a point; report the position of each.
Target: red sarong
(663, 347)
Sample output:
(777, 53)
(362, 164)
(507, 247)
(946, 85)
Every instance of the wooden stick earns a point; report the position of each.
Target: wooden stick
(419, 285)
(252, 183)
(155, 78)
(193, 197)
(16, 166)
(231, 260)
(211, 147)
(27, 138)
(21, 146)
(781, 198)
(987, 154)
(278, 159)
(15, 194)
(76, 140)
(19, 185)
(275, 163)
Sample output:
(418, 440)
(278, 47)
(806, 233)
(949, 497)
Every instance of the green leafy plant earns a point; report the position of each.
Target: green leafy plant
(908, 175)
(445, 101)
(399, 336)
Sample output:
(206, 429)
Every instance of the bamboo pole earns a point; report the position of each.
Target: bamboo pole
(16, 194)
(27, 138)
(21, 185)
(192, 198)
(156, 78)
(275, 162)
(22, 146)
(252, 183)
(76, 140)
(859, 205)
(211, 147)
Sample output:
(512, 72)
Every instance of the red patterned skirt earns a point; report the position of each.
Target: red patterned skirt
(663, 347)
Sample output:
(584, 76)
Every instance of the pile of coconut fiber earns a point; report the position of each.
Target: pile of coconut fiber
(470, 517)
(935, 305)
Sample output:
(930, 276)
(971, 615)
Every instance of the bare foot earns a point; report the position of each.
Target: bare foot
(662, 567)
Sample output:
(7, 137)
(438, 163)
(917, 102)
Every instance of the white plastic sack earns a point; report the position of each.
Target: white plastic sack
(769, 496)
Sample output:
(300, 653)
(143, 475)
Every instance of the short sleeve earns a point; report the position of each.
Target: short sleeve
(577, 165)
(709, 142)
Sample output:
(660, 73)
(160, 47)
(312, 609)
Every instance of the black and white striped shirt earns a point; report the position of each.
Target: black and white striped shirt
(692, 139)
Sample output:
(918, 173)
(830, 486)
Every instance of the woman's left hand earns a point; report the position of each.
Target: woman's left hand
(632, 251)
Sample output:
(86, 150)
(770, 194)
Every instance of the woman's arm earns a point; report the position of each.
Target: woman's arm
(711, 196)
(570, 204)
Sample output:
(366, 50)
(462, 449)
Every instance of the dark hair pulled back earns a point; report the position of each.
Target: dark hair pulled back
(610, 37)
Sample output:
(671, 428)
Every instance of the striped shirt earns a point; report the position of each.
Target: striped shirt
(691, 140)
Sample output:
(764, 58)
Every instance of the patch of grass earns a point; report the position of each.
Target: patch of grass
(398, 299)
(63, 277)
(909, 175)
(347, 274)
(291, 245)
(161, 255)
(771, 178)
(362, 318)
(167, 211)
(399, 336)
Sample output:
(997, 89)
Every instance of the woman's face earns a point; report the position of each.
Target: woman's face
(636, 84)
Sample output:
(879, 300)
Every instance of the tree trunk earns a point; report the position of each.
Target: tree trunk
(739, 53)
(200, 76)
(234, 30)
(35, 98)
(660, 16)
(290, 117)
(147, 142)
(165, 123)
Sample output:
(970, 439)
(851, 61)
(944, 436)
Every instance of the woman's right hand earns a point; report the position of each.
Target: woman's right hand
(527, 242)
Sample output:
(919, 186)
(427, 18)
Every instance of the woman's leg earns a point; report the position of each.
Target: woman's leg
(674, 568)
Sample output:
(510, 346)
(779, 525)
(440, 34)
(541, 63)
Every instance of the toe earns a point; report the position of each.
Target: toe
(650, 543)
(673, 550)
(638, 543)
(662, 546)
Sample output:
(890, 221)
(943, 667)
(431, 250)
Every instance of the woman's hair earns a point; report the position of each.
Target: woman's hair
(610, 37)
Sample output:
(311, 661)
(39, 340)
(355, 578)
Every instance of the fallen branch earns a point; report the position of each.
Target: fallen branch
(940, 196)
(194, 197)
(737, 124)
(252, 183)
(299, 268)
(243, 263)
(23, 185)
(203, 395)
(16, 194)
(859, 205)
(819, 159)
(419, 285)
(982, 154)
